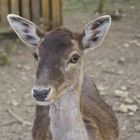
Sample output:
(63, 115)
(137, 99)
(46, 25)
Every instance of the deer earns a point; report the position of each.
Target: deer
(68, 103)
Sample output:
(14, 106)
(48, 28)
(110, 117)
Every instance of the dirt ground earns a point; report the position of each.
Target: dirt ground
(115, 66)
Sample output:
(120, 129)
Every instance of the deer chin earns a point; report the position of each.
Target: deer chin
(44, 103)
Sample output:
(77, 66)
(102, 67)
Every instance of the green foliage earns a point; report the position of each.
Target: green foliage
(4, 59)
(87, 6)
(10, 47)
(90, 6)
(101, 5)
(7, 49)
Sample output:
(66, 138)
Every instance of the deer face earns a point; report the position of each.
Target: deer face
(59, 55)
(59, 65)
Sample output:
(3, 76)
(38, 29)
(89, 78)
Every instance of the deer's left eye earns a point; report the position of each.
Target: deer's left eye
(35, 55)
(74, 59)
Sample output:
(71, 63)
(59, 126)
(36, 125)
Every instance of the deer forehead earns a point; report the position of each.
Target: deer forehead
(59, 43)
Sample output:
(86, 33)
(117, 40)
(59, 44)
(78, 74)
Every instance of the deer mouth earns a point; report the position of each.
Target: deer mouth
(44, 103)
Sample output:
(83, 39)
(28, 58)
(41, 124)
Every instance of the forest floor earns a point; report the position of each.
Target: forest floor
(115, 66)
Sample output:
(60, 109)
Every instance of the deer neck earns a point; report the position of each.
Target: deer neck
(66, 122)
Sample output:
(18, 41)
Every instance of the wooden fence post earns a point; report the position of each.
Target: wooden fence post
(15, 6)
(4, 10)
(46, 13)
(25, 9)
(35, 9)
(56, 13)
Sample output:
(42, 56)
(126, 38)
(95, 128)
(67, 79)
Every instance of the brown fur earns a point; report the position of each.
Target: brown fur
(77, 110)
(99, 119)
(97, 113)
(41, 124)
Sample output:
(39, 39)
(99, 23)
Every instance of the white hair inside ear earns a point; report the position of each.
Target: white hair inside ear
(27, 31)
(95, 31)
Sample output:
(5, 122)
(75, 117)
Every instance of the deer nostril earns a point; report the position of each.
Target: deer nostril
(41, 95)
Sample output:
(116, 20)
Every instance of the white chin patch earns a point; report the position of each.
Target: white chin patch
(44, 103)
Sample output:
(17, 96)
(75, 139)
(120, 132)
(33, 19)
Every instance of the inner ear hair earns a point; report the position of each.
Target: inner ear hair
(95, 31)
(28, 32)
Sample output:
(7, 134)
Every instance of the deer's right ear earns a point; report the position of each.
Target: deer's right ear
(27, 31)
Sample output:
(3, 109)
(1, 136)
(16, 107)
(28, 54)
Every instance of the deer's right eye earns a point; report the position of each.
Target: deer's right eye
(35, 56)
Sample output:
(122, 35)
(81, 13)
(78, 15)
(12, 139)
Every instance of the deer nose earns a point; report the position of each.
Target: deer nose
(40, 95)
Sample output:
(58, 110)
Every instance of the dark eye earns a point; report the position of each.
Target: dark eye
(74, 59)
(35, 56)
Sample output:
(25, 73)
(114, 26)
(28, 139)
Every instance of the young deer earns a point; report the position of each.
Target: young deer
(68, 104)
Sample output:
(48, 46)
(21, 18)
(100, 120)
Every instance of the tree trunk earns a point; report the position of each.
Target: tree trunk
(101, 4)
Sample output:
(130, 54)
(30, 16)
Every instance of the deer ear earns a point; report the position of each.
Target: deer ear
(27, 31)
(95, 31)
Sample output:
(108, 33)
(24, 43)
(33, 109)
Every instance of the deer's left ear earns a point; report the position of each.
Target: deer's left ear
(95, 31)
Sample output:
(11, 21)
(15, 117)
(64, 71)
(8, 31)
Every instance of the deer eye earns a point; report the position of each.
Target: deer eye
(74, 59)
(35, 56)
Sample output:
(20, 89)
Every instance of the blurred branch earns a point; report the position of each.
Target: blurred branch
(24, 123)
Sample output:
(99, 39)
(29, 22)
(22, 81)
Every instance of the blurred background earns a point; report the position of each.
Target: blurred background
(115, 65)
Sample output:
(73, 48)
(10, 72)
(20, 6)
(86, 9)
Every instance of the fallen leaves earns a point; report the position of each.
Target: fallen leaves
(121, 93)
(125, 108)
(125, 104)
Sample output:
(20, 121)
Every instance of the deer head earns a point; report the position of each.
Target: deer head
(59, 54)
